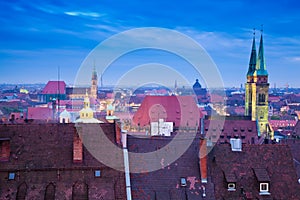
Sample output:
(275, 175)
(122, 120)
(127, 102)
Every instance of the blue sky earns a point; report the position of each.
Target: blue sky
(37, 37)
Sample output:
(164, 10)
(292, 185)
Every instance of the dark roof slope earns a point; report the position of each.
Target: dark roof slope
(164, 183)
(41, 154)
(271, 163)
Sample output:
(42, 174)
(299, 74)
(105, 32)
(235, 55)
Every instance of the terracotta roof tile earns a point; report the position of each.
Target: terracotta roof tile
(55, 87)
(261, 174)
(182, 110)
(43, 113)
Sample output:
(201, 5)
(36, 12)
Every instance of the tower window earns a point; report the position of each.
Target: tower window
(261, 98)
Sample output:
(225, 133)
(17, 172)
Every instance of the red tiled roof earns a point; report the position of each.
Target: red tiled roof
(221, 131)
(40, 113)
(182, 110)
(55, 87)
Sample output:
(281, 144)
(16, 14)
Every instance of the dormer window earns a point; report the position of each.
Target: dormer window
(231, 180)
(231, 187)
(183, 182)
(263, 181)
(264, 189)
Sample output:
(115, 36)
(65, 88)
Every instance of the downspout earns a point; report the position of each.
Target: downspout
(202, 125)
(126, 165)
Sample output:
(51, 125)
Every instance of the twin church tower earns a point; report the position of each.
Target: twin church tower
(257, 91)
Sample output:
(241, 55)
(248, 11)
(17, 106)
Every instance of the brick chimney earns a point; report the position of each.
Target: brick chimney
(203, 160)
(77, 149)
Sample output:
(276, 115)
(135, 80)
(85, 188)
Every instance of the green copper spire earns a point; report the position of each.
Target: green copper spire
(94, 73)
(260, 63)
(252, 63)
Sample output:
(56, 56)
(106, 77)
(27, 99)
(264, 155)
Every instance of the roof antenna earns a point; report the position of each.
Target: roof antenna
(58, 96)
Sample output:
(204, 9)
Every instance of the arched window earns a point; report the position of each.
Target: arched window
(50, 192)
(261, 98)
(22, 190)
(80, 191)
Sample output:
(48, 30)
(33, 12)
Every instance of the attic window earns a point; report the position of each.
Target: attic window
(97, 173)
(231, 187)
(183, 182)
(236, 144)
(264, 189)
(11, 176)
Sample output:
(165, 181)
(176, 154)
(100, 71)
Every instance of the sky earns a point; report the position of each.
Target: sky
(40, 38)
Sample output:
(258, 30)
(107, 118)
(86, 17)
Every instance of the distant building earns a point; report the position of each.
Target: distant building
(78, 93)
(86, 114)
(218, 130)
(200, 92)
(181, 110)
(257, 91)
(52, 91)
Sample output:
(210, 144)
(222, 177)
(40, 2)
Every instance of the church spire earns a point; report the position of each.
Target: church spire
(260, 64)
(252, 63)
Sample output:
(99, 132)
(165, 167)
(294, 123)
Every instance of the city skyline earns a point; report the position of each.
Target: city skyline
(38, 38)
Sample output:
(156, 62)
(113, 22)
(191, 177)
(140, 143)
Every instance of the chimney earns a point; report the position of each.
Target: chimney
(77, 149)
(118, 131)
(203, 160)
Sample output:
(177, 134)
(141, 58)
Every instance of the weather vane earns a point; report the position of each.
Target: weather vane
(262, 28)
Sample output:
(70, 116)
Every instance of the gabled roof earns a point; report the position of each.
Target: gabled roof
(55, 87)
(182, 110)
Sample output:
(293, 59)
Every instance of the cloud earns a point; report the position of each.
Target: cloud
(84, 14)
